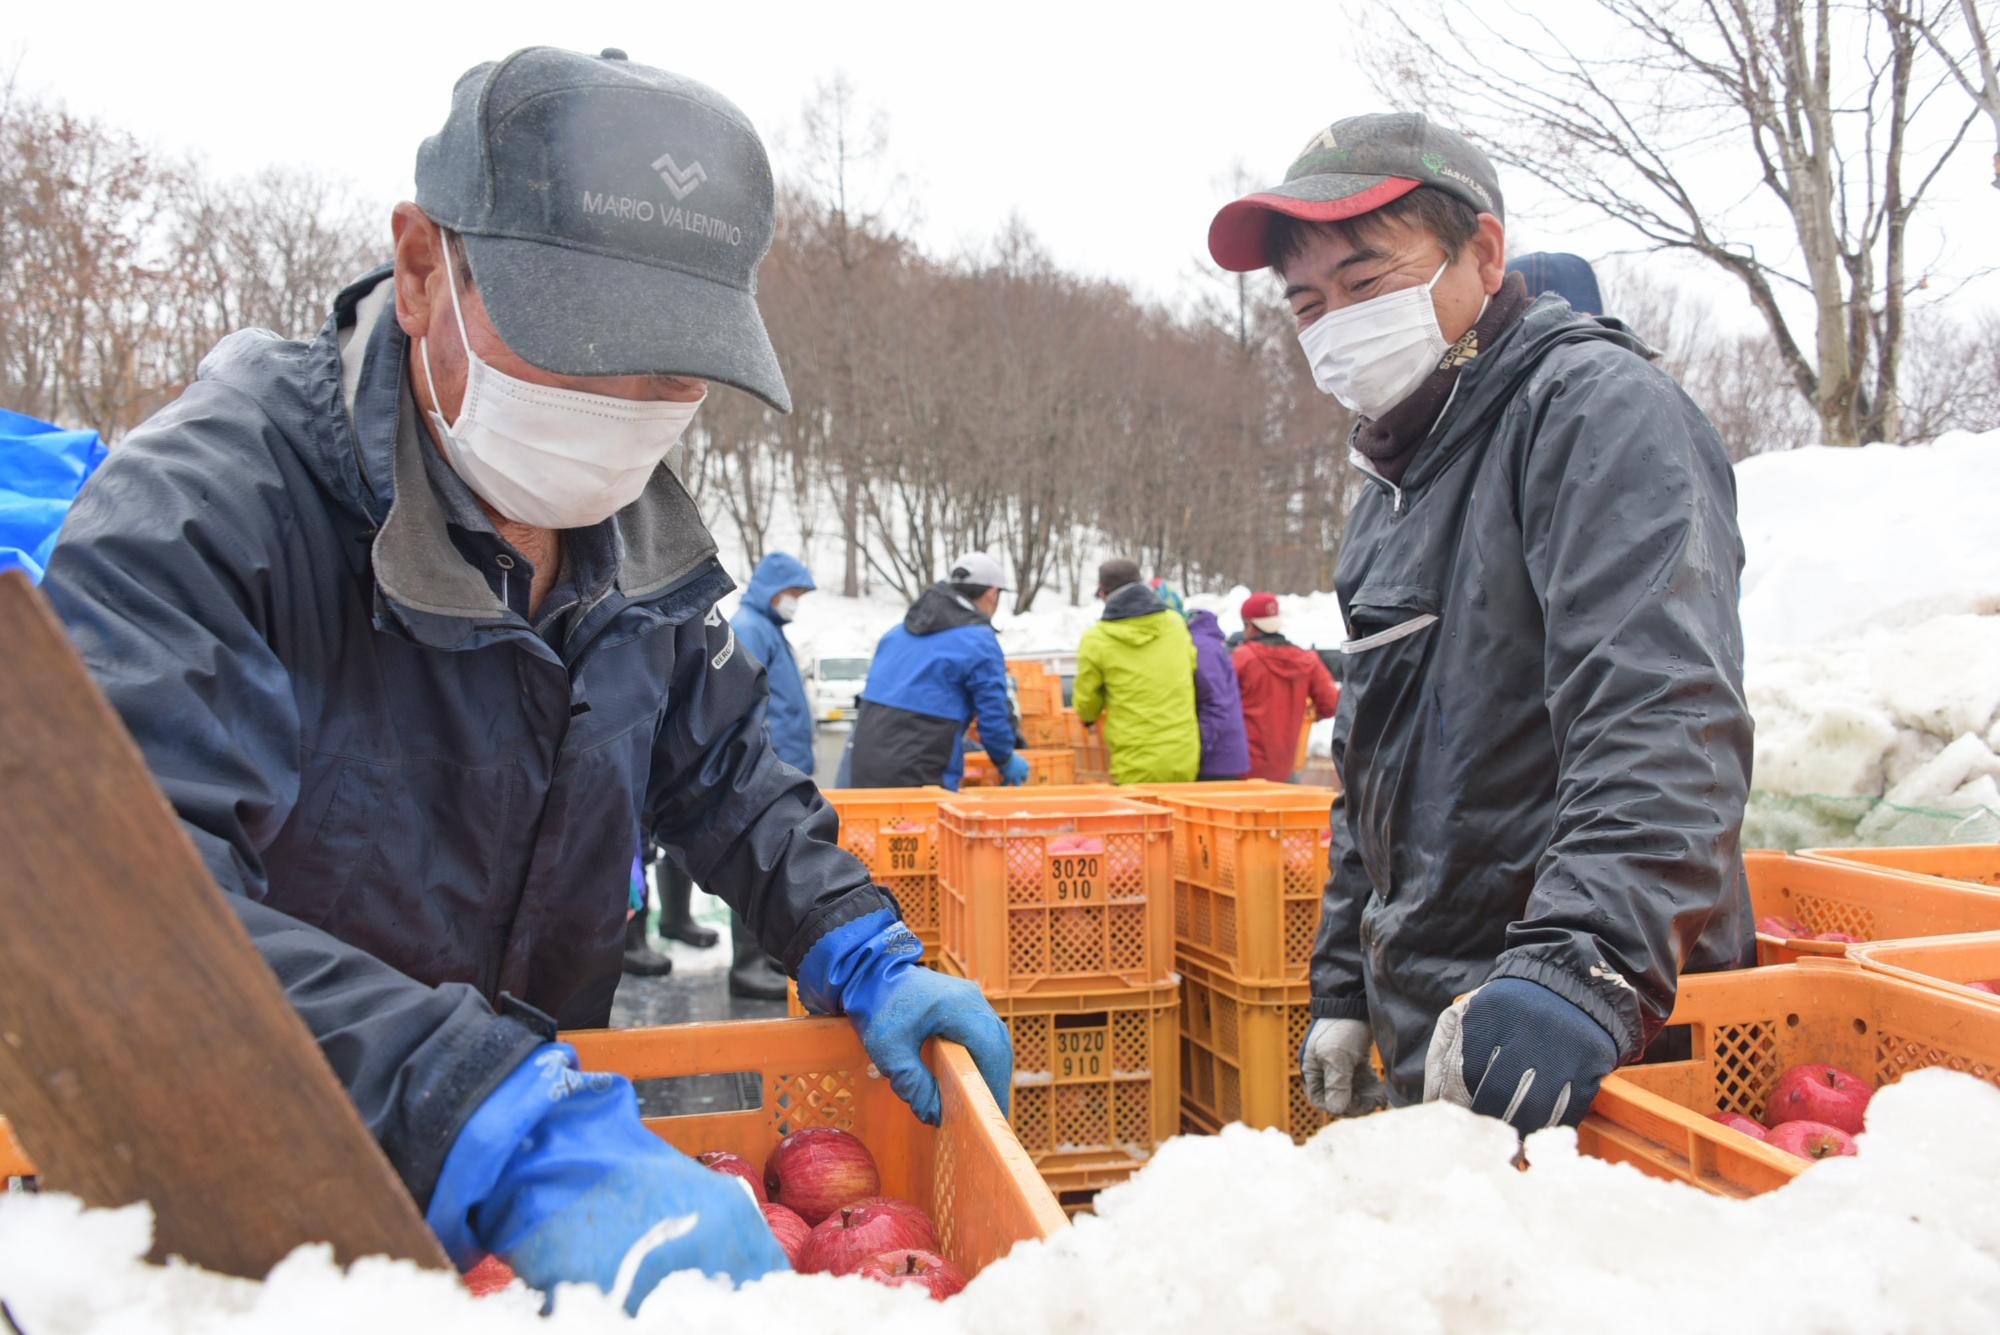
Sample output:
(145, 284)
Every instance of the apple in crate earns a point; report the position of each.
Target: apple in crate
(1810, 1140)
(1816, 1092)
(817, 1170)
(1845, 938)
(790, 1230)
(1778, 925)
(917, 1219)
(1986, 985)
(1736, 1121)
(735, 1165)
(853, 1235)
(915, 1268)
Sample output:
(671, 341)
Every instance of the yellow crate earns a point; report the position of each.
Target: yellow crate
(1239, 1052)
(1056, 893)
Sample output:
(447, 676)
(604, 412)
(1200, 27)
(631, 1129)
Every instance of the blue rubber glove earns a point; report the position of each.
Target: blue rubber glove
(1015, 772)
(1520, 1052)
(868, 968)
(555, 1175)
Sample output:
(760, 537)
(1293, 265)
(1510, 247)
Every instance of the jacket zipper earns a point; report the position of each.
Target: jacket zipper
(1361, 461)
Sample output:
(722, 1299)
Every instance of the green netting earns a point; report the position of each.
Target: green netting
(1792, 821)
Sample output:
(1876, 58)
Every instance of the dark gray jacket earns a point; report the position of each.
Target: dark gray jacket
(416, 802)
(1543, 732)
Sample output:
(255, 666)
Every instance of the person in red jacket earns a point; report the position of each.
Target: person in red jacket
(1278, 680)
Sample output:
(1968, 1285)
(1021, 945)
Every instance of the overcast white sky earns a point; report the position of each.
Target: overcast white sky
(1107, 127)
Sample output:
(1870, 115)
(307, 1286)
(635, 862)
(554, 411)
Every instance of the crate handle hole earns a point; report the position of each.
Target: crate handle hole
(1860, 1026)
(1792, 1021)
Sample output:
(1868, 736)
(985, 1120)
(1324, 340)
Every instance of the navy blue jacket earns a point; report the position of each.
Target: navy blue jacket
(759, 630)
(416, 802)
(931, 676)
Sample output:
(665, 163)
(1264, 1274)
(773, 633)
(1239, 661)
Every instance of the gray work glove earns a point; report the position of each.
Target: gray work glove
(1517, 1051)
(1334, 1061)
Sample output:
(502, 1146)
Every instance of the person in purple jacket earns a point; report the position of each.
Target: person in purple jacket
(1225, 747)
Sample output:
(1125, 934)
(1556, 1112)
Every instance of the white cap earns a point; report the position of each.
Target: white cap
(1269, 625)
(977, 568)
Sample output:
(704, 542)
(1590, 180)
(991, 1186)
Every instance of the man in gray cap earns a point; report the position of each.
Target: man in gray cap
(1542, 732)
(420, 638)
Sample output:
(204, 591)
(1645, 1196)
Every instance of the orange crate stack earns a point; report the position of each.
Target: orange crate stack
(1750, 1026)
(969, 1173)
(1046, 767)
(1093, 759)
(1965, 966)
(1250, 870)
(1045, 731)
(1866, 902)
(1239, 1053)
(1037, 691)
(1960, 864)
(894, 833)
(1055, 894)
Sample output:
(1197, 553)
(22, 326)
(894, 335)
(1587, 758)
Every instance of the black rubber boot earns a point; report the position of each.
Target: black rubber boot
(754, 974)
(676, 921)
(641, 960)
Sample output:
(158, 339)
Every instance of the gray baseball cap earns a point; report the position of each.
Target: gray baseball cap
(1352, 167)
(614, 215)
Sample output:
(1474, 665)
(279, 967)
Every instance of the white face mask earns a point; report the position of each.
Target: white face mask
(554, 458)
(785, 606)
(1372, 355)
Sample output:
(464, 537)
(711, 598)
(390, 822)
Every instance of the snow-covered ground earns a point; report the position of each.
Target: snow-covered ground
(1407, 1221)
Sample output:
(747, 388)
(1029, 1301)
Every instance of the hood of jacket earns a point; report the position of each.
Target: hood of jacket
(777, 572)
(1206, 630)
(939, 609)
(1281, 658)
(1492, 380)
(1134, 600)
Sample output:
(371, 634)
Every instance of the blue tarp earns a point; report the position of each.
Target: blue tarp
(41, 469)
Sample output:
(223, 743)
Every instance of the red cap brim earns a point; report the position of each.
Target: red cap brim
(1236, 239)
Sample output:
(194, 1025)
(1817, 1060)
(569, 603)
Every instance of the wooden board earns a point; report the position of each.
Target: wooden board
(146, 1050)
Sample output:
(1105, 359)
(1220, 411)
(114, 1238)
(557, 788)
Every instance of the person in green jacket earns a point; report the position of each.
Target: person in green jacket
(1136, 668)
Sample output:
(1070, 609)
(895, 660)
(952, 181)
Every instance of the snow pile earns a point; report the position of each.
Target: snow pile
(1871, 619)
(1408, 1221)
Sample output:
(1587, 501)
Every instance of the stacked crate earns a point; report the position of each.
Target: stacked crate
(1093, 759)
(1059, 907)
(1054, 765)
(1250, 868)
(894, 833)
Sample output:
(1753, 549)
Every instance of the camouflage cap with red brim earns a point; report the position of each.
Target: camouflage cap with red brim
(1355, 166)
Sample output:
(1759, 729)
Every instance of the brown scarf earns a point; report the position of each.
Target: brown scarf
(1390, 441)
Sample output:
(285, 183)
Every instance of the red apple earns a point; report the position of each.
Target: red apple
(790, 1230)
(1816, 1092)
(918, 1220)
(916, 1269)
(722, 1161)
(1989, 985)
(1778, 925)
(844, 1241)
(1736, 1121)
(1810, 1140)
(1842, 937)
(818, 1170)
(490, 1276)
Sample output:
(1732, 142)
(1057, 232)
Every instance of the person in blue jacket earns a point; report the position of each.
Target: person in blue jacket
(419, 636)
(769, 605)
(933, 674)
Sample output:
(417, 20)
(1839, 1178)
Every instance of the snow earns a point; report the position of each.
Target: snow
(1871, 621)
(1407, 1221)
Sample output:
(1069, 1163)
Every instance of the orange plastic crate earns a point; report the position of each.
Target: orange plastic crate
(1046, 768)
(1096, 1082)
(1239, 1052)
(1055, 894)
(1867, 902)
(1037, 691)
(969, 1172)
(894, 833)
(1947, 962)
(1748, 1028)
(1250, 873)
(1045, 730)
(1961, 864)
(1093, 759)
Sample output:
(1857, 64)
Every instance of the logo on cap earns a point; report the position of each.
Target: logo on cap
(681, 181)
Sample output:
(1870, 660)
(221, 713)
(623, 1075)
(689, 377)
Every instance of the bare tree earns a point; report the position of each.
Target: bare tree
(1829, 107)
(1969, 58)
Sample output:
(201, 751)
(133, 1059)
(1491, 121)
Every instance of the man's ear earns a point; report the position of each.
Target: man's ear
(1489, 246)
(419, 268)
